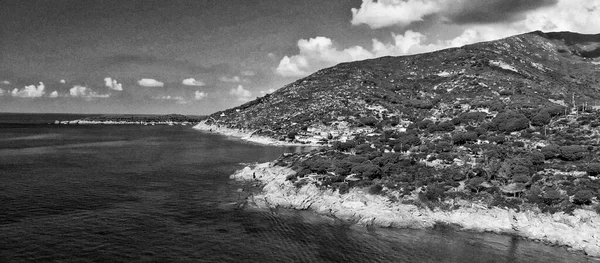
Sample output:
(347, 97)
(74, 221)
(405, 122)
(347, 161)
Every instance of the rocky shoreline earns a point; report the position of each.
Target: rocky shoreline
(580, 231)
(245, 135)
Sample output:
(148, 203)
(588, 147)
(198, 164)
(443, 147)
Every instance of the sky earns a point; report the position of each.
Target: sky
(199, 56)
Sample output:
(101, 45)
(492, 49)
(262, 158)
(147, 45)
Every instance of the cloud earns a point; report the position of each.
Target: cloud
(490, 11)
(263, 92)
(566, 15)
(177, 99)
(150, 83)
(62, 81)
(85, 92)
(2, 92)
(199, 95)
(54, 94)
(113, 84)
(241, 93)
(192, 82)
(318, 52)
(5, 82)
(248, 73)
(234, 79)
(30, 91)
(385, 13)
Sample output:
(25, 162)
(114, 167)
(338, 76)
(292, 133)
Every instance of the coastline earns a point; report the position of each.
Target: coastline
(87, 122)
(245, 135)
(579, 231)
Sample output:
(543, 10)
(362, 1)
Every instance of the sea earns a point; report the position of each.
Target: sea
(133, 193)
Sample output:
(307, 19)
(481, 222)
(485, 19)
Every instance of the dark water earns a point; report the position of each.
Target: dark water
(162, 194)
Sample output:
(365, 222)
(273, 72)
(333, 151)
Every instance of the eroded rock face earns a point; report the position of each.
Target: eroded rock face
(580, 231)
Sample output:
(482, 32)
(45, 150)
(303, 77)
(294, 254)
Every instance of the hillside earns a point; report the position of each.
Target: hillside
(507, 123)
(520, 72)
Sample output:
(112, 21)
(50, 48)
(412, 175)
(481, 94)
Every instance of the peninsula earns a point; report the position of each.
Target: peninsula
(498, 136)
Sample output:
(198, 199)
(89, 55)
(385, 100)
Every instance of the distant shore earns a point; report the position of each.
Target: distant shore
(579, 231)
(246, 135)
(171, 119)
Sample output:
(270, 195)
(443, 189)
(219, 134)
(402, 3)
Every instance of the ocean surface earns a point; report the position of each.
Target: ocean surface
(78, 193)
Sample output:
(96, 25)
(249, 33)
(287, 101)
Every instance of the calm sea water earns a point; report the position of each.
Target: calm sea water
(75, 193)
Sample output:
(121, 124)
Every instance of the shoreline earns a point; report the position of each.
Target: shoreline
(86, 122)
(246, 135)
(578, 232)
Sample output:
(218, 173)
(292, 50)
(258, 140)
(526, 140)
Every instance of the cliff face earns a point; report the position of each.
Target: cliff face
(520, 72)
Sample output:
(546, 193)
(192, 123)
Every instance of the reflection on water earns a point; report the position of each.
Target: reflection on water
(133, 193)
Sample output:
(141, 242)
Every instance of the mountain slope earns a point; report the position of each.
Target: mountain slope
(520, 72)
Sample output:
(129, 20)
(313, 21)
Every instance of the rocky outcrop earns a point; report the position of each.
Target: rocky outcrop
(579, 231)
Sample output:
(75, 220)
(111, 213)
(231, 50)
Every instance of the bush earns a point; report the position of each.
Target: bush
(593, 169)
(536, 157)
(444, 127)
(375, 189)
(572, 153)
(510, 121)
(541, 118)
(583, 197)
(344, 146)
(462, 137)
(369, 121)
(551, 196)
(551, 151)
(367, 170)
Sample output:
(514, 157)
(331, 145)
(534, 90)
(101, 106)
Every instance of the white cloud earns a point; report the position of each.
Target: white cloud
(263, 92)
(320, 52)
(30, 91)
(568, 15)
(62, 81)
(177, 99)
(248, 73)
(5, 82)
(234, 79)
(199, 95)
(113, 84)
(2, 92)
(193, 82)
(384, 13)
(241, 93)
(150, 83)
(85, 92)
(317, 53)
(54, 94)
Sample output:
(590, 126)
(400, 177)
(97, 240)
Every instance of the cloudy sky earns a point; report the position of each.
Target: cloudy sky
(199, 56)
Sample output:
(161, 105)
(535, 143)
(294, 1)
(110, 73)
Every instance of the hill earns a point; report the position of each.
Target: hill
(523, 72)
(506, 123)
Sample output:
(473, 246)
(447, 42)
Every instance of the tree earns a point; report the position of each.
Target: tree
(541, 118)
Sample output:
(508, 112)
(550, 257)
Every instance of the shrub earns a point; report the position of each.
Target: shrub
(572, 153)
(375, 189)
(551, 151)
(583, 197)
(593, 169)
(510, 121)
(344, 146)
(364, 148)
(444, 127)
(367, 170)
(541, 118)
(551, 196)
(369, 121)
(536, 157)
